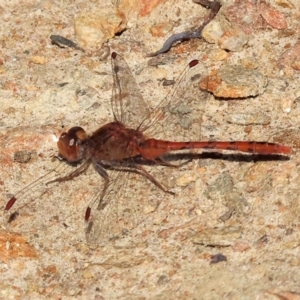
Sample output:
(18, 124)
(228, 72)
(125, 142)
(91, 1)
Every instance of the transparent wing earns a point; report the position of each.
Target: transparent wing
(127, 102)
(37, 188)
(178, 116)
(130, 197)
(128, 201)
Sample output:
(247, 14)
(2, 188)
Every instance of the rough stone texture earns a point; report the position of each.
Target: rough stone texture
(272, 16)
(245, 14)
(234, 81)
(213, 31)
(246, 207)
(233, 40)
(93, 29)
(285, 3)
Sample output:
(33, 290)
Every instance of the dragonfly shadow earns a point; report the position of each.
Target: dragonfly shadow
(238, 157)
(171, 159)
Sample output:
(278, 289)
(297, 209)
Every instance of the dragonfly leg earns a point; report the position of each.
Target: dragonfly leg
(163, 162)
(73, 174)
(133, 166)
(101, 171)
(140, 170)
(160, 161)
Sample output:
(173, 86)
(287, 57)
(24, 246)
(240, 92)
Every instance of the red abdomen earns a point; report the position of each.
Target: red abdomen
(153, 148)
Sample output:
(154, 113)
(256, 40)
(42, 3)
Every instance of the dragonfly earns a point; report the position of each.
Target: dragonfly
(139, 138)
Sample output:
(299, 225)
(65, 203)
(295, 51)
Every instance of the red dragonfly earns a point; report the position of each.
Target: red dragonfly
(126, 148)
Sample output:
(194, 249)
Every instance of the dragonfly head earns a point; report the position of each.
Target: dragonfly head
(70, 144)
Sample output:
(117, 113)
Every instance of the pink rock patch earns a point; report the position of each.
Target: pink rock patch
(272, 16)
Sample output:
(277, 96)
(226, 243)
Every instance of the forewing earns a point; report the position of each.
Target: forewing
(128, 201)
(23, 199)
(127, 102)
(178, 116)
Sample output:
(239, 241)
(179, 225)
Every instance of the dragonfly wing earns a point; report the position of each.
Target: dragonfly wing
(37, 187)
(128, 201)
(178, 116)
(127, 102)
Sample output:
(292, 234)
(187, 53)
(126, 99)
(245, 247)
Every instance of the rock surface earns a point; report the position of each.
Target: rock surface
(93, 29)
(241, 211)
(234, 81)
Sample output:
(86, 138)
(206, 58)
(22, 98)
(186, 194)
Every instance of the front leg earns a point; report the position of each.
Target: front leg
(73, 174)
